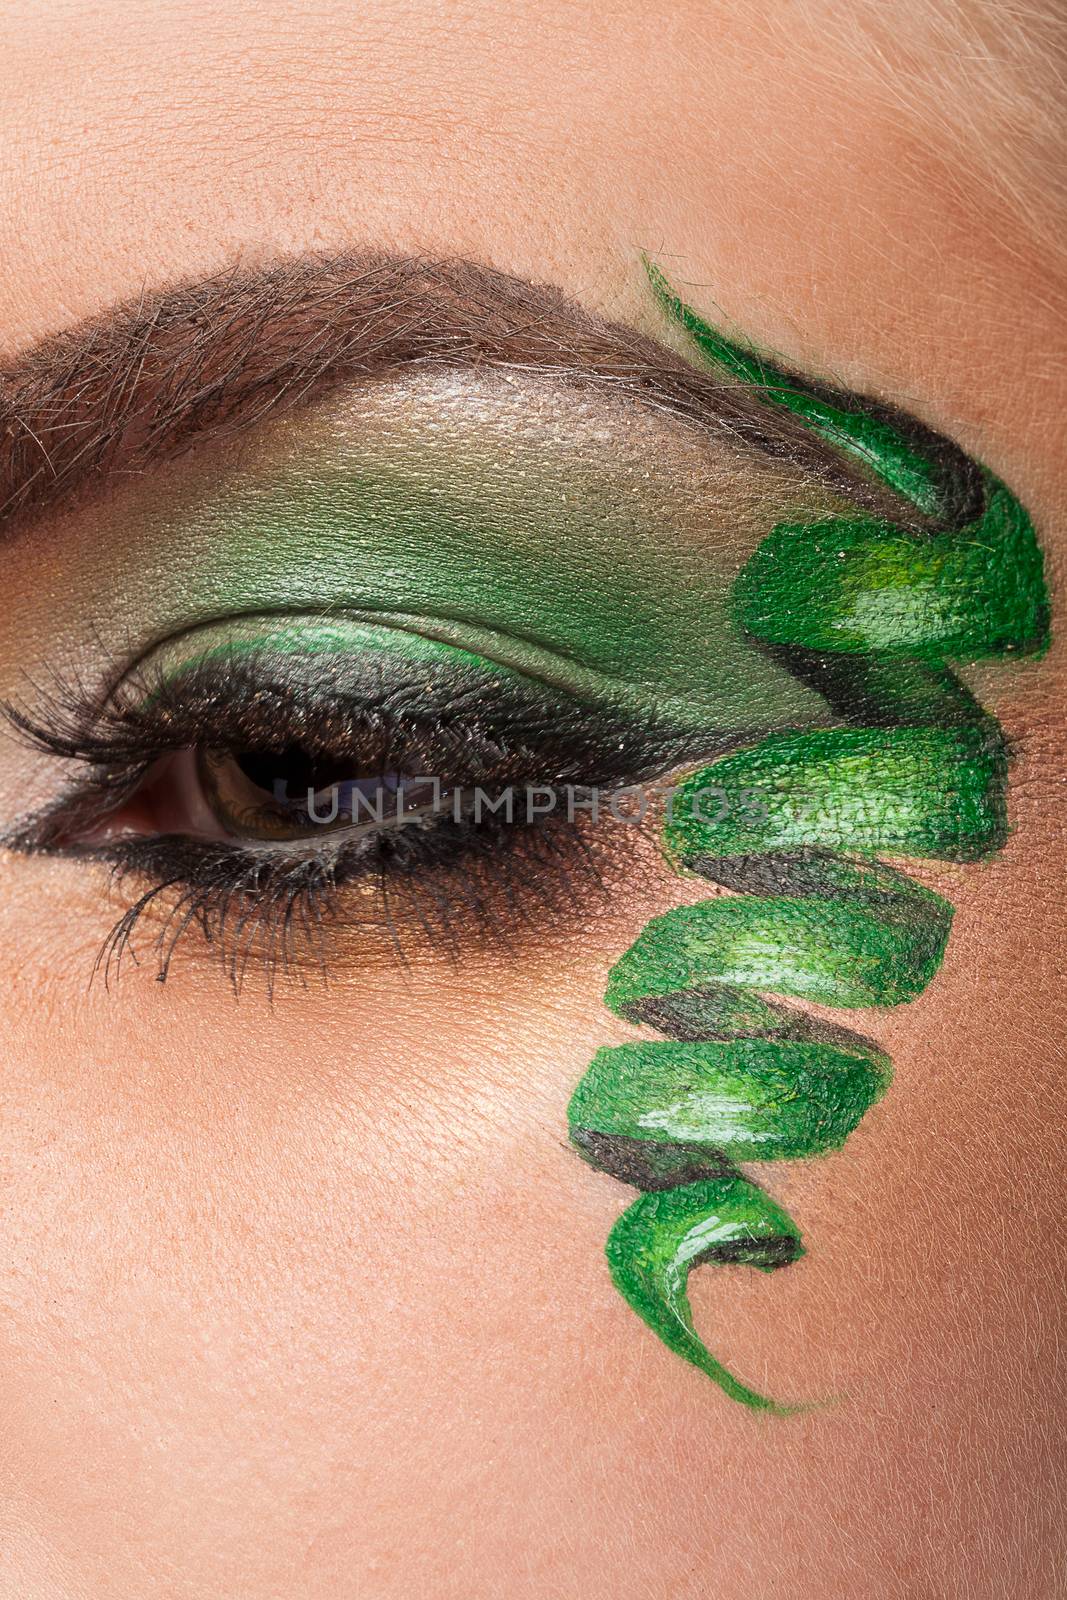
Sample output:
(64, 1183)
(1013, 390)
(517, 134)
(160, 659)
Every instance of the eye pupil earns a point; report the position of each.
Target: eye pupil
(289, 774)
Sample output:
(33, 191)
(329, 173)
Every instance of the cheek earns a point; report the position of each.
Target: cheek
(259, 1259)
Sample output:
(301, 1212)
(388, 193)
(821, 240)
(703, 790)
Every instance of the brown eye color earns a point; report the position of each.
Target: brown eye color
(294, 794)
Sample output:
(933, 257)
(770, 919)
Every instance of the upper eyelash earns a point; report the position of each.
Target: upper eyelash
(253, 697)
(240, 701)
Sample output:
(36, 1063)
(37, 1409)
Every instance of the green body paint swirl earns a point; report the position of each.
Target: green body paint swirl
(868, 613)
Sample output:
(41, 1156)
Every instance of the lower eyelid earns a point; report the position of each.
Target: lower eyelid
(501, 893)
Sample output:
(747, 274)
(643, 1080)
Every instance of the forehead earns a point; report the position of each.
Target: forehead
(888, 225)
(401, 117)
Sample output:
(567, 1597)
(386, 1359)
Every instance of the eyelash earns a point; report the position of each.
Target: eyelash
(449, 880)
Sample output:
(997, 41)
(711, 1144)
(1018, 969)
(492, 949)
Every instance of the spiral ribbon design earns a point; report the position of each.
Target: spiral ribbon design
(868, 612)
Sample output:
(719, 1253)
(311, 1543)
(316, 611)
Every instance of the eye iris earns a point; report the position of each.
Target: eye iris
(292, 793)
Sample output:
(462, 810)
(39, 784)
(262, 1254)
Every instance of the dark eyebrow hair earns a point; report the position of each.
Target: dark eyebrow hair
(151, 378)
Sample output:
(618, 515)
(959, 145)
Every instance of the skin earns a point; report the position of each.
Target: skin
(310, 1301)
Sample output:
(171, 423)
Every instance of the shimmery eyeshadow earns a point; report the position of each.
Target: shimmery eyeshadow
(585, 539)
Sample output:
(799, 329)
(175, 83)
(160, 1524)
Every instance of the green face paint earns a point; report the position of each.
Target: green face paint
(747, 1100)
(656, 1244)
(854, 587)
(867, 613)
(909, 791)
(843, 947)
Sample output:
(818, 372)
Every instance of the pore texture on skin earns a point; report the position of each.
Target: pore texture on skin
(866, 612)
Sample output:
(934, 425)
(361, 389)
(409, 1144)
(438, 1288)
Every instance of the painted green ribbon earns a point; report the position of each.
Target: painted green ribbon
(868, 613)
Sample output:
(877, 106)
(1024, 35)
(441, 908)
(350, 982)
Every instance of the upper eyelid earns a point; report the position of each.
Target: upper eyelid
(526, 656)
(114, 764)
(72, 721)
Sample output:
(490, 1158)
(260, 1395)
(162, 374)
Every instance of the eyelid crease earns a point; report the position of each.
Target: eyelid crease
(511, 652)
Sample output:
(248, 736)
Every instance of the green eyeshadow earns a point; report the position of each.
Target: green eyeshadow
(370, 547)
(595, 548)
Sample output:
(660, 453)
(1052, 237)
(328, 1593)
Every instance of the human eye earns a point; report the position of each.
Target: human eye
(508, 587)
(260, 778)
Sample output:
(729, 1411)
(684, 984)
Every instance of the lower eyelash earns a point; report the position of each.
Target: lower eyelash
(492, 878)
(275, 907)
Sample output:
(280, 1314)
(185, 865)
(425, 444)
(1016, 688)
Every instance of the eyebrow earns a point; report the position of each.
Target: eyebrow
(150, 379)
